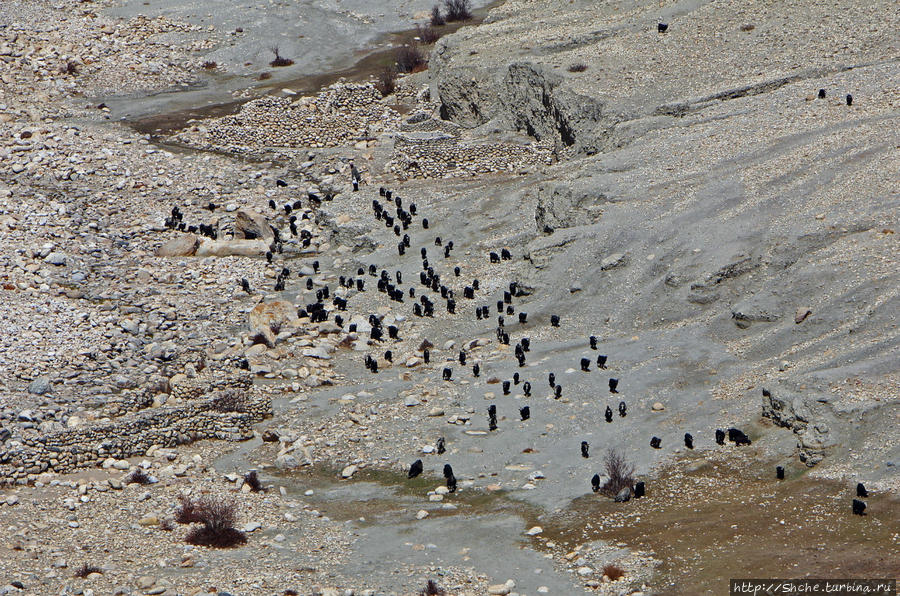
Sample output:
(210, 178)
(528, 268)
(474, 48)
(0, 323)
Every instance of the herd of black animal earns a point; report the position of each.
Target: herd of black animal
(399, 222)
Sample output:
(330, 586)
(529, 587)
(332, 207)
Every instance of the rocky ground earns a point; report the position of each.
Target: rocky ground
(686, 198)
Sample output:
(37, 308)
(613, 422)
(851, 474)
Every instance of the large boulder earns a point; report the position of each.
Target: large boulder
(250, 225)
(182, 246)
(268, 319)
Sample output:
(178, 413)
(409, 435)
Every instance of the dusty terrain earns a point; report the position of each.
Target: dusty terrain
(686, 197)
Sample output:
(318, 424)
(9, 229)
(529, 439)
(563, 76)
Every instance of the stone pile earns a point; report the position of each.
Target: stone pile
(446, 156)
(342, 114)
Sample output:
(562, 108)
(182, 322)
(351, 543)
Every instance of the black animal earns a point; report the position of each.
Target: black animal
(462, 357)
(552, 379)
(440, 446)
(515, 378)
(639, 490)
(821, 94)
(601, 361)
(476, 370)
(494, 257)
(613, 383)
(595, 483)
(859, 507)
(523, 317)
(526, 389)
(623, 409)
(525, 412)
(850, 103)
(448, 373)
(655, 442)
(492, 417)
(861, 490)
(425, 222)
(738, 437)
(451, 483)
(584, 449)
(558, 393)
(526, 344)
(608, 414)
(720, 436)
(272, 205)
(389, 356)
(245, 285)
(426, 356)
(554, 320)
(593, 341)
(779, 472)
(415, 469)
(506, 385)
(662, 27)
(585, 365)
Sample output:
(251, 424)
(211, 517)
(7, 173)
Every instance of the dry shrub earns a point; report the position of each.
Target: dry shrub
(410, 58)
(613, 572)
(426, 34)
(437, 19)
(279, 59)
(86, 569)
(458, 10)
(432, 589)
(263, 76)
(137, 477)
(387, 81)
(210, 65)
(217, 518)
(578, 68)
(186, 512)
(620, 472)
(748, 27)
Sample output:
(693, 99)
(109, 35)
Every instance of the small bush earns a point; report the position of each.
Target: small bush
(410, 58)
(279, 59)
(252, 480)
(458, 10)
(85, 570)
(748, 27)
(432, 589)
(437, 19)
(166, 525)
(620, 473)
(387, 81)
(290, 592)
(210, 65)
(137, 477)
(578, 68)
(613, 572)
(217, 517)
(426, 34)
(186, 512)
(264, 76)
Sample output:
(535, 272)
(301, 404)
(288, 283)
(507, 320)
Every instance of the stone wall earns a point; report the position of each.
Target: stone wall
(229, 416)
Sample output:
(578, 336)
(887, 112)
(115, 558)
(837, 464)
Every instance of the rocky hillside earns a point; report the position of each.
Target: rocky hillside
(709, 198)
